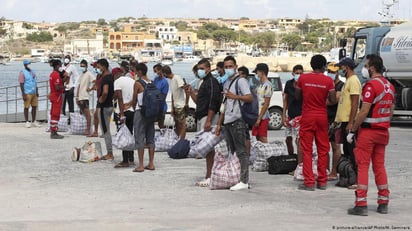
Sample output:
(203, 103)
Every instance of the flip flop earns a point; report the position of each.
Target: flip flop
(151, 169)
(332, 178)
(138, 170)
(121, 165)
(92, 135)
(105, 157)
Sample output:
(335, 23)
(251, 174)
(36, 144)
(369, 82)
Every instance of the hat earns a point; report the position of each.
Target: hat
(26, 62)
(261, 67)
(332, 67)
(346, 62)
(116, 70)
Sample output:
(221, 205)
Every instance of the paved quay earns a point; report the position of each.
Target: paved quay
(42, 189)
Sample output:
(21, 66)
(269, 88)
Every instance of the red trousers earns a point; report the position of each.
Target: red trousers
(56, 105)
(371, 145)
(314, 127)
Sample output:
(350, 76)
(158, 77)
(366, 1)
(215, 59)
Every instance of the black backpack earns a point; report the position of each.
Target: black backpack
(180, 150)
(249, 111)
(152, 103)
(347, 172)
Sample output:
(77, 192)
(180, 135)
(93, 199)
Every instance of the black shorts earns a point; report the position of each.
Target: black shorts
(83, 104)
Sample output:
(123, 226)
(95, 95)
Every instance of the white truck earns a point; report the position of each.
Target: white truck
(394, 45)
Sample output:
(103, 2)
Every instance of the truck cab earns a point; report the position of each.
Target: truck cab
(394, 45)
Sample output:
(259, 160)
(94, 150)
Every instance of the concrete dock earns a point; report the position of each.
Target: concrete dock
(42, 189)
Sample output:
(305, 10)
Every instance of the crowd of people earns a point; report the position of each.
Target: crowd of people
(317, 108)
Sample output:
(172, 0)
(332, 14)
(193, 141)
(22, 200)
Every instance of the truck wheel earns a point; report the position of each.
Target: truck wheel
(191, 124)
(406, 98)
(275, 119)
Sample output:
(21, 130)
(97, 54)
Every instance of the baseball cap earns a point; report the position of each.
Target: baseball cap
(261, 67)
(116, 70)
(333, 67)
(26, 62)
(346, 62)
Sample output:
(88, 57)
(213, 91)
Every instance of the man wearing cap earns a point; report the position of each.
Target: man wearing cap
(348, 103)
(70, 84)
(264, 93)
(335, 144)
(316, 91)
(29, 92)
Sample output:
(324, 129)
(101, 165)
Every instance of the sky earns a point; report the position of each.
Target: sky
(82, 10)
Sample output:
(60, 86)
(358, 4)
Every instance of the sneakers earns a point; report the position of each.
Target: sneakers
(36, 124)
(204, 183)
(239, 186)
(382, 208)
(358, 211)
(28, 124)
(307, 188)
(55, 135)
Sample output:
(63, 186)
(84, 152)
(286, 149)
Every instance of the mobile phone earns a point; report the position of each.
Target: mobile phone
(184, 81)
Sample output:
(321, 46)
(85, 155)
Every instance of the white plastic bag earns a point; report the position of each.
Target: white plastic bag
(165, 139)
(124, 139)
(89, 152)
(204, 142)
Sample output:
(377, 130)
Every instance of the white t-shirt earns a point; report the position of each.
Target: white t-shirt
(178, 93)
(73, 74)
(126, 85)
(85, 81)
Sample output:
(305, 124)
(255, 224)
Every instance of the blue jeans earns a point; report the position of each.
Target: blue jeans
(235, 137)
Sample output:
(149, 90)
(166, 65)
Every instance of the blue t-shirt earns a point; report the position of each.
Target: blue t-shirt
(163, 86)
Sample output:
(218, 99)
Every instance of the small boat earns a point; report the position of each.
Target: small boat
(167, 61)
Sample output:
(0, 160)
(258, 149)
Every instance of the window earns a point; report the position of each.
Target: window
(359, 50)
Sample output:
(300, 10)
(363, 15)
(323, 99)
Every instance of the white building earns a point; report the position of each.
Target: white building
(167, 33)
(85, 46)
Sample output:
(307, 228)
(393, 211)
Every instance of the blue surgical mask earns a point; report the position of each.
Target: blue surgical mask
(99, 71)
(201, 73)
(296, 77)
(223, 78)
(230, 72)
(83, 69)
(332, 76)
(156, 75)
(342, 72)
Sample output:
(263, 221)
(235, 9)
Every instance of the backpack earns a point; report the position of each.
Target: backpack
(347, 172)
(249, 111)
(180, 150)
(152, 102)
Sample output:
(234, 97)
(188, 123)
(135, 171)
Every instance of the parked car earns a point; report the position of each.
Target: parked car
(276, 102)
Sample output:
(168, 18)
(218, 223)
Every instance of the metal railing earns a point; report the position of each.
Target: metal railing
(12, 105)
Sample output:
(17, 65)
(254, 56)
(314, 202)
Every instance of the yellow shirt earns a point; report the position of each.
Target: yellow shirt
(352, 87)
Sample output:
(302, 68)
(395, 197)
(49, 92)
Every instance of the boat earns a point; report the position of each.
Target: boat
(167, 61)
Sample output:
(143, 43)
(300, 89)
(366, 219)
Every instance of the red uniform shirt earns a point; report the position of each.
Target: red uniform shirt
(315, 89)
(55, 79)
(381, 94)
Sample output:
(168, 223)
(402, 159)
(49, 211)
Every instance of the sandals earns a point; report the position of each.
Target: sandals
(204, 183)
(148, 168)
(332, 178)
(107, 157)
(138, 170)
(122, 165)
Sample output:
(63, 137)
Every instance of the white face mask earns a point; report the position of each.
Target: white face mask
(66, 60)
(365, 73)
(60, 69)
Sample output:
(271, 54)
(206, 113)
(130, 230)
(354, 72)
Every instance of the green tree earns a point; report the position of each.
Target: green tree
(40, 37)
(181, 25)
(266, 40)
(292, 40)
(101, 22)
(27, 25)
(203, 34)
(224, 35)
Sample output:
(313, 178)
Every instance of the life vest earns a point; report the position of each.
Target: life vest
(30, 84)
(379, 115)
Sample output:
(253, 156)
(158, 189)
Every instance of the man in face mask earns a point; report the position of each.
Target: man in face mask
(57, 78)
(335, 144)
(292, 110)
(208, 100)
(70, 84)
(86, 80)
(348, 102)
(161, 83)
(29, 92)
